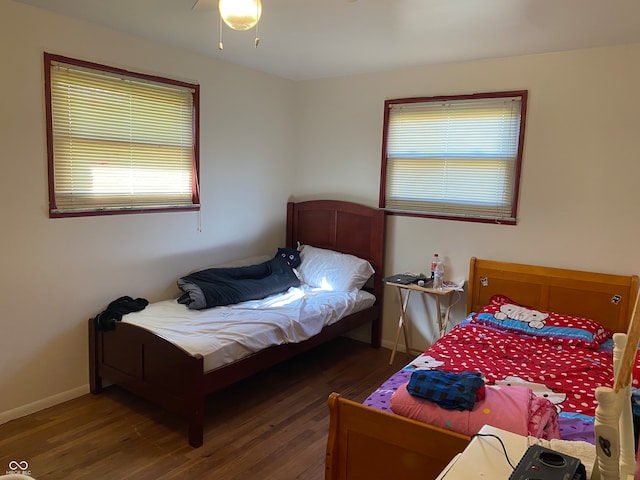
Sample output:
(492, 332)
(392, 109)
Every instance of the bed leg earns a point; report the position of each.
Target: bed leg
(196, 433)
(95, 384)
(196, 436)
(196, 425)
(376, 333)
(95, 380)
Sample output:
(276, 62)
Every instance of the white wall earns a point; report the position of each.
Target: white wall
(57, 273)
(581, 166)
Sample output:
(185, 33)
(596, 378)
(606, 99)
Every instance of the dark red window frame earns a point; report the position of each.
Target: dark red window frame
(518, 165)
(48, 59)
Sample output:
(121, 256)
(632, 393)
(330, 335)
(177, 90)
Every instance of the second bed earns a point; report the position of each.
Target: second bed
(514, 336)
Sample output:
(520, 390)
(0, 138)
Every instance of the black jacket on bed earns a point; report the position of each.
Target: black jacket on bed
(106, 319)
(215, 287)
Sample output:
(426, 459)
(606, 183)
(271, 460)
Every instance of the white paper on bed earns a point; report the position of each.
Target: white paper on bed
(225, 334)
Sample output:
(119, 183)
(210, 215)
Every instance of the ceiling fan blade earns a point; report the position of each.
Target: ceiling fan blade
(205, 5)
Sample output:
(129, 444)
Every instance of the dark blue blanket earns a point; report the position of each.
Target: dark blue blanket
(224, 286)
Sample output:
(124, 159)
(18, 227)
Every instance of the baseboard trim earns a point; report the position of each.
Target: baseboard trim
(38, 405)
(365, 337)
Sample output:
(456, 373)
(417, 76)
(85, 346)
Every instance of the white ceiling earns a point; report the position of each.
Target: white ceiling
(307, 39)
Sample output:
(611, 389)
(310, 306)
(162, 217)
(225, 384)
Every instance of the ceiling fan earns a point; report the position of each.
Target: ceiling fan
(209, 5)
(237, 14)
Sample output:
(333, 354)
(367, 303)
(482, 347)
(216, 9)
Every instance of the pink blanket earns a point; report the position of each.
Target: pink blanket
(512, 408)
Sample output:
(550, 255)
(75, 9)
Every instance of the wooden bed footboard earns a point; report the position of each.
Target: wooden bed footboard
(366, 443)
(159, 371)
(152, 368)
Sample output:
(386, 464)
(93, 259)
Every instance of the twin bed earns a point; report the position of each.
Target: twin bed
(140, 355)
(558, 359)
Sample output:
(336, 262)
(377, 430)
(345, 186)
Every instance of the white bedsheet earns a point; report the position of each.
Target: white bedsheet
(224, 334)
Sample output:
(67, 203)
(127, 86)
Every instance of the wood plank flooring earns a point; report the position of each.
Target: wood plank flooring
(271, 426)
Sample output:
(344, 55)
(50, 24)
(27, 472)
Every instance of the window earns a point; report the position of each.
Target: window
(119, 141)
(454, 157)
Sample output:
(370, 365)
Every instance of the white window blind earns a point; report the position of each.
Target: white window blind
(454, 158)
(120, 142)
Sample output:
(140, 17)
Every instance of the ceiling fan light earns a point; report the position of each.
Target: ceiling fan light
(240, 14)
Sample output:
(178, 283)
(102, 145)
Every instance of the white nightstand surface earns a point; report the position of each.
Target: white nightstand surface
(484, 458)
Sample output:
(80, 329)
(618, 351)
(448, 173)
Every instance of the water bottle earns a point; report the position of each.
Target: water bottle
(438, 275)
(434, 262)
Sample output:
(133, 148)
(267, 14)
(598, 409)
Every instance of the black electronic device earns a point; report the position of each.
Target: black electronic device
(540, 463)
(407, 278)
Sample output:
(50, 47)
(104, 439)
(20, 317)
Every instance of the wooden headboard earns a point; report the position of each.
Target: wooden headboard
(606, 298)
(344, 227)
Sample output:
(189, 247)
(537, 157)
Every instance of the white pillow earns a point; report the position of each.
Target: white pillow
(330, 270)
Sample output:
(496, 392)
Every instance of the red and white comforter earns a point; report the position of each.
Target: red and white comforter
(565, 375)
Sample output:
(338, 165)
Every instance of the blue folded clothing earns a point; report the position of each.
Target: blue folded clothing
(453, 391)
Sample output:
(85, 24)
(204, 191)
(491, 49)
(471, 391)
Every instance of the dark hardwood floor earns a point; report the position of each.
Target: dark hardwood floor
(271, 426)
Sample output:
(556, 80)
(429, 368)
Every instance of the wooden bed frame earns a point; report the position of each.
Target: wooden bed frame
(153, 368)
(364, 442)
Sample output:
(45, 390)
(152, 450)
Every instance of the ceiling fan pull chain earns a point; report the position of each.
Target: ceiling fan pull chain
(257, 38)
(220, 45)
